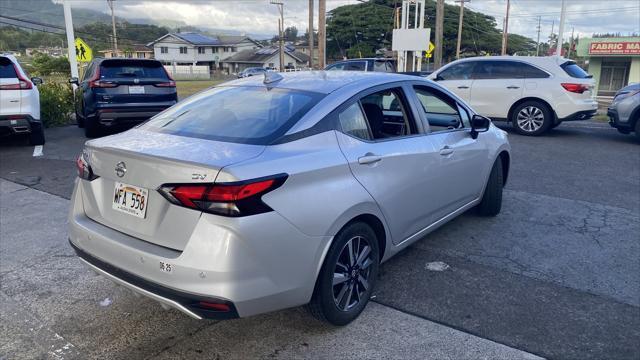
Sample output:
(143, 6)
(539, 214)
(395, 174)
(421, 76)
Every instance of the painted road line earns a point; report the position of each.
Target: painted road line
(38, 150)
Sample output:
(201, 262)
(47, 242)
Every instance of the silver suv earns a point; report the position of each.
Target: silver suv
(271, 192)
(624, 111)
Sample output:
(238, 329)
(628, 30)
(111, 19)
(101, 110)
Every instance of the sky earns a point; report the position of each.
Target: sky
(259, 16)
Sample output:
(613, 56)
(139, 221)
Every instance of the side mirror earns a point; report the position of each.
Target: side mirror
(479, 124)
(74, 80)
(37, 81)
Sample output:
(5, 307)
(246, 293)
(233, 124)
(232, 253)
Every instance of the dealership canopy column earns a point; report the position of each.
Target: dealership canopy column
(613, 62)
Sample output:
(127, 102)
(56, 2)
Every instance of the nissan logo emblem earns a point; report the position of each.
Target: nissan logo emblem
(121, 169)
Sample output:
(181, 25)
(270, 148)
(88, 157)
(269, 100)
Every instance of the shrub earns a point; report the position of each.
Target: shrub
(56, 103)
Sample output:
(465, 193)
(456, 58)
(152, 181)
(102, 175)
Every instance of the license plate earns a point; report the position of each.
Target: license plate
(130, 200)
(136, 89)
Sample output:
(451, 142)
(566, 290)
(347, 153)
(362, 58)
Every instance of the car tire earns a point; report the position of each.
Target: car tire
(79, 121)
(531, 118)
(36, 136)
(336, 303)
(92, 128)
(491, 202)
(637, 129)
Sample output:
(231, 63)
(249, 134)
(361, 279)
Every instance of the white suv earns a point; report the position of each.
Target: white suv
(534, 93)
(19, 102)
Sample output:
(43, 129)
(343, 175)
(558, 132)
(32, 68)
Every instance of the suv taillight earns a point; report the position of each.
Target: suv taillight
(95, 81)
(23, 84)
(170, 83)
(575, 88)
(227, 199)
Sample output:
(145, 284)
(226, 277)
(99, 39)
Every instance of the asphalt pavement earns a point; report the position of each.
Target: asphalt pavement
(555, 275)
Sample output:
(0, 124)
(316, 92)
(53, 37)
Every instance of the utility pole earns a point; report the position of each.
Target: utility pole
(281, 31)
(71, 43)
(561, 29)
(460, 26)
(322, 33)
(113, 25)
(505, 32)
(310, 34)
(538, 43)
(570, 44)
(437, 63)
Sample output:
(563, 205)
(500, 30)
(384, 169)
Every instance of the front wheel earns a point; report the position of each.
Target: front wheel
(491, 203)
(36, 137)
(92, 128)
(637, 129)
(531, 118)
(347, 277)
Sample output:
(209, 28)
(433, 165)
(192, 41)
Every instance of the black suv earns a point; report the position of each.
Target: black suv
(121, 92)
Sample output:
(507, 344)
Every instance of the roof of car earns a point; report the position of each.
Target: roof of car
(530, 59)
(322, 81)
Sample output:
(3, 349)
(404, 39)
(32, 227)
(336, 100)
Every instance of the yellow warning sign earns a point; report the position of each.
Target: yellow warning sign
(429, 52)
(83, 51)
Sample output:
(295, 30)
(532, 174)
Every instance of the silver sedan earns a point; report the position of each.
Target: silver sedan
(272, 192)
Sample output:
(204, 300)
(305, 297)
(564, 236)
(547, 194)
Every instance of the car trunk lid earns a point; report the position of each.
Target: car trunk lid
(151, 159)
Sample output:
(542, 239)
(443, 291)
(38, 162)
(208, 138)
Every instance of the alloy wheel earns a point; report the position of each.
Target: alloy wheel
(530, 119)
(351, 274)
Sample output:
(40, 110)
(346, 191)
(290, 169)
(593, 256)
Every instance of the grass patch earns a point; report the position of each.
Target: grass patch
(190, 87)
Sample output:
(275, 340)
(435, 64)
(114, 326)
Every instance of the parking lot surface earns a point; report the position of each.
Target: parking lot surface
(555, 275)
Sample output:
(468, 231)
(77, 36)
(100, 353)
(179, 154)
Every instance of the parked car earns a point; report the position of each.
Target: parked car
(534, 93)
(252, 71)
(365, 64)
(224, 210)
(19, 102)
(121, 92)
(624, 111)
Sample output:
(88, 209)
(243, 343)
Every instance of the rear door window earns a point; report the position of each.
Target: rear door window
(222, 114)
(7, 71)
(575, 71)
(497, 70)
(132, 69)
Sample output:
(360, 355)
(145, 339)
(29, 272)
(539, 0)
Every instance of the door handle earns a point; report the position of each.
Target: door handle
(513, 87)
(368, 159)
(463, 87)
(446, 151)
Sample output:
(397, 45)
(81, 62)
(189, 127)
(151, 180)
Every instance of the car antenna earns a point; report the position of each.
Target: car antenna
(271, 77)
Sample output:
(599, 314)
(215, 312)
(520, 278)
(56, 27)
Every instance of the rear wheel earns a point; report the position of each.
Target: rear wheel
(491, 203)
(92, 128)
(79, 120)
(531, 118)
(637, 129)
(347, 277)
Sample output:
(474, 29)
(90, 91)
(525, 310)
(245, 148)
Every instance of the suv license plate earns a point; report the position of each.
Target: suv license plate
(136, 89)
(130, 200)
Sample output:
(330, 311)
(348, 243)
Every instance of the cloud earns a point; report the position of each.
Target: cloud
(259, 16)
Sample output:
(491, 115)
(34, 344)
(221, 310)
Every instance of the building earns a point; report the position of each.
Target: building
(137, 51)
(613, 62)
(53, 51)
(268, 57)
(192, 48)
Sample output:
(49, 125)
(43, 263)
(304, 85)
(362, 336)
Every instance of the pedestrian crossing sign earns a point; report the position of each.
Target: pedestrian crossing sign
(83, 51)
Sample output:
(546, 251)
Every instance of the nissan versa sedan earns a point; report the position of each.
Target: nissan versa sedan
(224, 210)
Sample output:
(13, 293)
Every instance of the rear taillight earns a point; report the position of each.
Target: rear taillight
(575, 88)
(227, 199)
(84, 169)
(23, 84)
(166, 84)
(95, 81)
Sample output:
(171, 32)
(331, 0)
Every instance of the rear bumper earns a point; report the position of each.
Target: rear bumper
(18, 124)
(580, 115)
(614, 120)
(187, 303)
(254, 264)
(109, 117)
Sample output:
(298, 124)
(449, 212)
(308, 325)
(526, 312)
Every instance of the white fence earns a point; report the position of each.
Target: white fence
(188, 72)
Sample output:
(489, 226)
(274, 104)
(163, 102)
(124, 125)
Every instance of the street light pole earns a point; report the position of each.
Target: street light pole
(437, 63)
(561, 29)
(460, 26)
(505, 33)
(280, 30)
(322, 34)
(68, 23)
(310, 34)
(113, 25)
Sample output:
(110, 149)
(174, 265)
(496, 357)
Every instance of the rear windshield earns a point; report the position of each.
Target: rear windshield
(137, 69)
(6, 69)
(248, 115)
(575, 71)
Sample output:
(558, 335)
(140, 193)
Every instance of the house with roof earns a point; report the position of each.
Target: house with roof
(191, 48)
(267, 57)
(137, 51)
